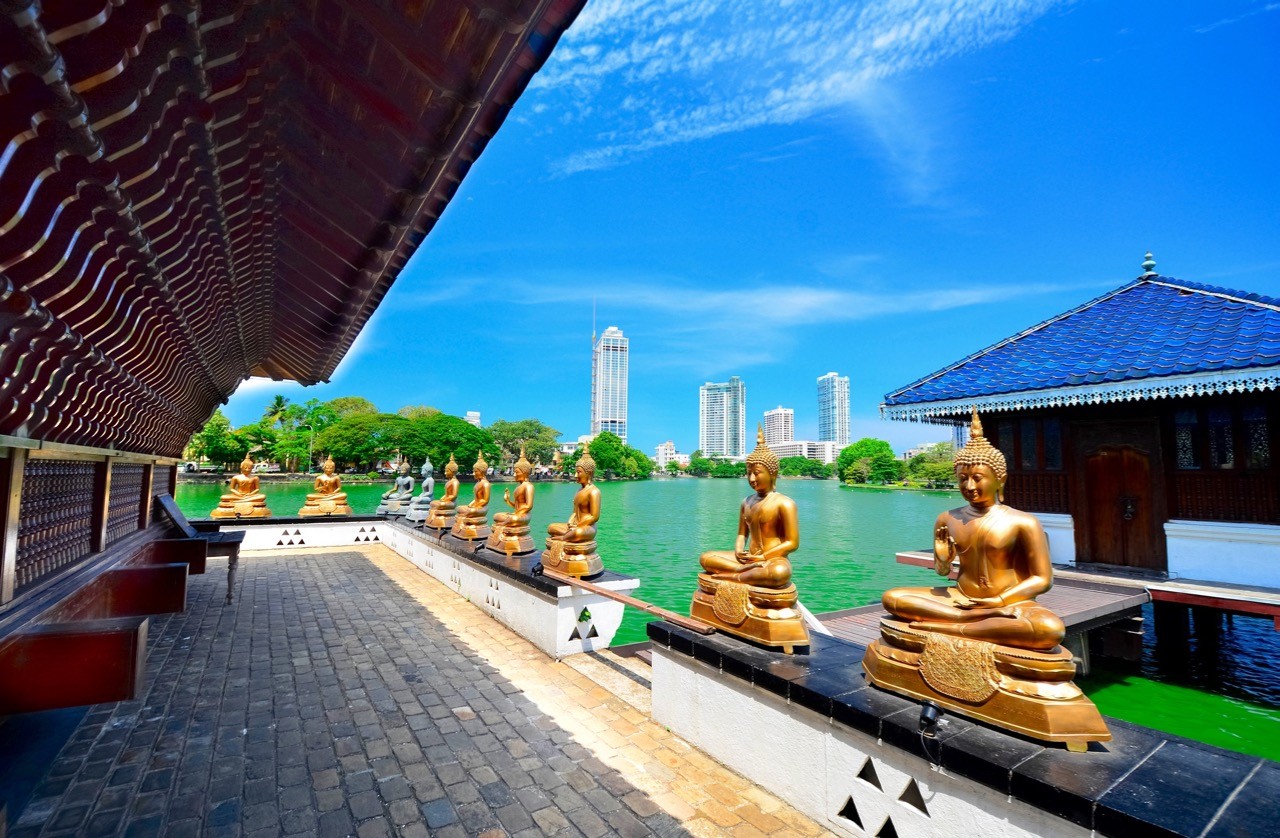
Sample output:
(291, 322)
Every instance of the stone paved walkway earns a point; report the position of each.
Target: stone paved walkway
(345, 692)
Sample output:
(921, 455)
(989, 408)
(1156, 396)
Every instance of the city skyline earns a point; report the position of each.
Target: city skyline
(903, 204)
(779, 425)
(833, 408)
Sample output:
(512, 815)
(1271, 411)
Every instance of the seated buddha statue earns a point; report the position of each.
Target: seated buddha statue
(511, 529)
(420, 507)
(748, 591)
(328, 497)
(396, 500)
(242, 500)
(984, 646)
(472, 520)
(571, 546)
(444, 508)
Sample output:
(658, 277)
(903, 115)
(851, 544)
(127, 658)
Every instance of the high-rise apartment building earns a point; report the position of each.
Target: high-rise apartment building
(722, 419)
(779, 426)
(833, 408)
(609, 359)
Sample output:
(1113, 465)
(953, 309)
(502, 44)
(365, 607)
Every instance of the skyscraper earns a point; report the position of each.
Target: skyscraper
(833, 408)
(609, 359)
(722, 419)
(779, 426)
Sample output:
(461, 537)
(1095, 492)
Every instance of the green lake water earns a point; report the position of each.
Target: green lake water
(1219, 689)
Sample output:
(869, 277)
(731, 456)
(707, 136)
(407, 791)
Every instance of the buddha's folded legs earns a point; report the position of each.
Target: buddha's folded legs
(1026, 625)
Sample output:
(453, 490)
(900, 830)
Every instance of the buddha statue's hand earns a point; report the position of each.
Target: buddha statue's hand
(992, 604)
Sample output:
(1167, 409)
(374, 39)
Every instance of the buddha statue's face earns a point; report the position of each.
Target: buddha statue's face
(329, 467)
(404, 468)
(522, 474)
(760, 478)
(479, 472)
(246, 467)
(978, 484)
(450, 471)
(583, 476)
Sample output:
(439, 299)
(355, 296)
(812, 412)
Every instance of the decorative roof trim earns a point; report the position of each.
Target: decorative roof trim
(1162, 387)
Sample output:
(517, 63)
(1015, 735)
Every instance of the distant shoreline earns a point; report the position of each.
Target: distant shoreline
(895, 488)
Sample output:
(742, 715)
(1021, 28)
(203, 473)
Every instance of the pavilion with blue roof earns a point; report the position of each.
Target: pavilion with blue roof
(1139, 426)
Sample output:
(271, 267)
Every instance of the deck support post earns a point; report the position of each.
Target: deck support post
(144, 503)
(11, 471)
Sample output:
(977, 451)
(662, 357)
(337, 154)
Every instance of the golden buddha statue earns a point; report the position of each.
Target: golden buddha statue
(242, 500)
(328, 497)
(511, 529)
(472, 520)
(444, 508)
(748, 591)
(984, 647)
(571, 546)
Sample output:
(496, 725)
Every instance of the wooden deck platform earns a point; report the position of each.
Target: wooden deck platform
(1082, 604)
(1261, 602)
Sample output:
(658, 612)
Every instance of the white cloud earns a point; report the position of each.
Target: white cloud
(1227, 21)
(675, 71)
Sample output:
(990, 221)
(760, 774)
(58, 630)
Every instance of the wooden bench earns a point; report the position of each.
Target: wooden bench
(219, 543)
(81, 637)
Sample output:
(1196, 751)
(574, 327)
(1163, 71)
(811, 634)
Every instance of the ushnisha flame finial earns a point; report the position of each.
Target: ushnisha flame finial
(763, 455)
(979, 451)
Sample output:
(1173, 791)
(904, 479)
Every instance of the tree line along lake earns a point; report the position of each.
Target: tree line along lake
(1219, 687)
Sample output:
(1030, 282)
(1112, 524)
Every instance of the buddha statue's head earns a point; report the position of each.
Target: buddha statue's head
(762, 465)
(481, 468)
(246, 465)
(427, 468)
(586, 468)
(980, 468)
(329, 466)
(523, 468)
(451, 467)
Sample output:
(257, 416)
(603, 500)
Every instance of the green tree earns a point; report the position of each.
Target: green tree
(863, 448)
(275, 409)
(417, 411)
(538, 439)
(673, 467)
(725, 468)
(803, 467)
(885, 467)
(637, 464)
(363, 440)
(439, 435)
(607, 451)
(345, 406)
(858, 471)
(218, 443)
(261, 437)
(700, 466)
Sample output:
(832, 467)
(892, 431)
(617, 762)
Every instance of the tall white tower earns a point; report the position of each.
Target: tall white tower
(779, 426)
(609, 363)
(833, 409)
(722, 418)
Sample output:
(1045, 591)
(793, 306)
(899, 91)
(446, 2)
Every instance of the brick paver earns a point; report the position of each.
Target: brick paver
(615, 741)
(330, 700)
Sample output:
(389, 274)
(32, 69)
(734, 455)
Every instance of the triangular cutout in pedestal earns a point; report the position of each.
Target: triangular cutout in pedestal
(868, 774)
(911, 795)
(887, 831)
(850, 813)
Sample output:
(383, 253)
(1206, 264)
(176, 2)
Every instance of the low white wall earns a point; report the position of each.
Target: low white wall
(566, 623)
(1241, 554)
(1061, 530)
(814, 764)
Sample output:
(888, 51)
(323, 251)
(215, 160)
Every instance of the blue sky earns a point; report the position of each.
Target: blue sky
(777, 190)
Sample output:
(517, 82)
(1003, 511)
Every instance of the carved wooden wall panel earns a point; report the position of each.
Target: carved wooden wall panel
(56, 518)
(126, 500)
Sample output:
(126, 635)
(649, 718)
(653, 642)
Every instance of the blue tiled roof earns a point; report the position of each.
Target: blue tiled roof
(1154, 327)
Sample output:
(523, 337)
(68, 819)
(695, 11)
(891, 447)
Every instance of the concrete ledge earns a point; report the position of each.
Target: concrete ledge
(850, 756)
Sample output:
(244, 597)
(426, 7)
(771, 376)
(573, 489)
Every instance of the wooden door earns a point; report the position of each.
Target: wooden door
(1122, 525)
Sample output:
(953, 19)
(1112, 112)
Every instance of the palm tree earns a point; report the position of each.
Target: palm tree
(275, 409)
